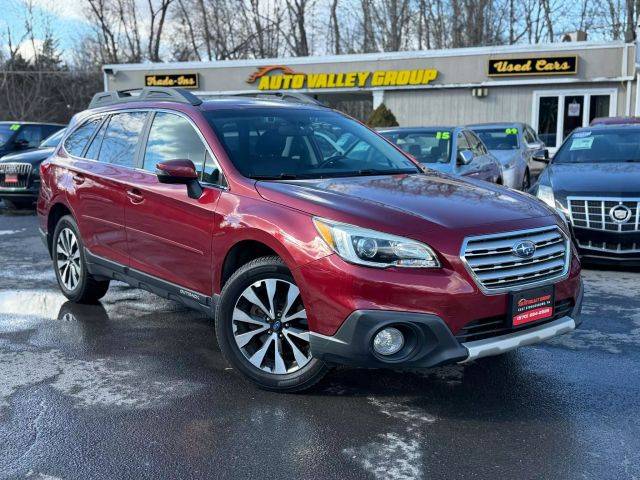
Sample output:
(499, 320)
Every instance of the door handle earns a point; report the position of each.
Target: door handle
(135, 195)
(78, 178)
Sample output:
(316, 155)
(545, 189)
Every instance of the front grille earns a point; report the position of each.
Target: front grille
(496, 326)
(595, 213)
(610, 247)
(496, 268)
(22, 170)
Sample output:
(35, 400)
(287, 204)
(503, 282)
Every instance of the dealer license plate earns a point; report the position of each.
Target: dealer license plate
(11, 178)
(530, 306)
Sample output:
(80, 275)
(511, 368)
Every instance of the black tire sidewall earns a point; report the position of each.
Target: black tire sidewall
(268, 267)
(76, 294)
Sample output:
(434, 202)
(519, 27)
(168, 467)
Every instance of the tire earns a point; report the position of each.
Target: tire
(260, 341)
(70, 265)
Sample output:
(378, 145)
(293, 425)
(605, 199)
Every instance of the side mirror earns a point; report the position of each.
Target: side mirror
(180, 172)
(465, 157)
(541, 155)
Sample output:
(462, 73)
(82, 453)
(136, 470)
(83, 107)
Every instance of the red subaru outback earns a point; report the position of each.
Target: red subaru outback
(309, 238)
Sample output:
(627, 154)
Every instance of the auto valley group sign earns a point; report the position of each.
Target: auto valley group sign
(280, 77)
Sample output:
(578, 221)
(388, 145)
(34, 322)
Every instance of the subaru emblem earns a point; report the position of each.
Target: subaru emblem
(524, 249)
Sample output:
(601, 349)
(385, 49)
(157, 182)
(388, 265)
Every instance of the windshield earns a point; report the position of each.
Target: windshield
(53, 140)
(499, 138)
(7, 130)
(279, 143)
(426, 147)
(601, 146)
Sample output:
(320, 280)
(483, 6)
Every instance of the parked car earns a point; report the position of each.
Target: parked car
(452, 150)
(594, 179)
(20, 173)
(614, 120)
(21, 136)
(309, 258)
(513, 144)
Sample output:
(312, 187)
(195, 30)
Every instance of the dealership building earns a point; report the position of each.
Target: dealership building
(554, 87)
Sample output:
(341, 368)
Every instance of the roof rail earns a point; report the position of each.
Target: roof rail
(167, 94)
(293, 97)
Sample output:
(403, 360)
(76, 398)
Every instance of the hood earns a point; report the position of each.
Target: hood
(606, 179)
(400, 200)
(505, 156)
(30, 156)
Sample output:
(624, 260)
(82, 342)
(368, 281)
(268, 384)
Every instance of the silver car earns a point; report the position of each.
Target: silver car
(514, 145)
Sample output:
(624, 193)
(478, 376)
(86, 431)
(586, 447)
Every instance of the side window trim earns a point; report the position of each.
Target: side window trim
(104, 119)
(138, 158)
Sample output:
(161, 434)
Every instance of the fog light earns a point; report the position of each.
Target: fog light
(388, 341)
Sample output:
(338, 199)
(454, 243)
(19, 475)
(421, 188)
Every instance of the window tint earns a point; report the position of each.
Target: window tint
(75, 143)
(172, 137)
(463, 144)
(476, 145)
(32, 134)
(121, 138)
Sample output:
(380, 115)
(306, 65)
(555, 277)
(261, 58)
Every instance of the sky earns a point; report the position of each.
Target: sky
(63, 17)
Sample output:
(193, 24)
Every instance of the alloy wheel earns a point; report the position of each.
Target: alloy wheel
(68, 259)
(270, 326)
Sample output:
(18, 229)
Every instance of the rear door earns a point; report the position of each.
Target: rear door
(100, 175)
(169, 234)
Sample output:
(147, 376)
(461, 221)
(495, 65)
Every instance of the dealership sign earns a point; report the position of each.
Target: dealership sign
(183, 80)
(567, 65)
(279, 77)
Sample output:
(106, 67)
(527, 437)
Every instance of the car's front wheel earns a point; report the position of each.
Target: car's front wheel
(262, 328)
(67, 251)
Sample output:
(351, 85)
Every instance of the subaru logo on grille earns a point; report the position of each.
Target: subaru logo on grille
(620, 214)
(524, 249)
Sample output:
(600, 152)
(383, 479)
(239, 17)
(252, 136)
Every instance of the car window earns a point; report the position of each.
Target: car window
(121, 138)
(476, 145)
(303, 143)
(32, 134)
(75, 143)
(610, 145)
(463, 143)
(53, 140)
(529, 135)
(94, 147)
(499, 138)
(172, 137)
(432, 146)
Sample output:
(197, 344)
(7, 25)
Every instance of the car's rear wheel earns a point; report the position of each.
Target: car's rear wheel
(262, 328)
(67, 251)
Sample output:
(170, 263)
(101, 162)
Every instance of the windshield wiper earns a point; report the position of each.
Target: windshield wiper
(281, 176)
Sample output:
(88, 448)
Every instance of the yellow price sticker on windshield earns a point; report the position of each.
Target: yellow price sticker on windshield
(511, 131)
(443, 135)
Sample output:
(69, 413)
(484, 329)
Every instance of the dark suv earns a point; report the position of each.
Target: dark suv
(310, 239)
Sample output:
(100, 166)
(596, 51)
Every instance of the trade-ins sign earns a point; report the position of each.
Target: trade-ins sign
(567, 65)
(182, 80)
(279, 77)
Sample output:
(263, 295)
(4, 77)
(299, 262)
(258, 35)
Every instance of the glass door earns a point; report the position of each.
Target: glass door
(557, 113)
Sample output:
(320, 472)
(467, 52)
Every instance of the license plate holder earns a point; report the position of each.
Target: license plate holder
(11, 178)
(531, 306)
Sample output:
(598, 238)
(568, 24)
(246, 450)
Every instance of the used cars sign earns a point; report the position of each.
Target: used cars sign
(567, 65)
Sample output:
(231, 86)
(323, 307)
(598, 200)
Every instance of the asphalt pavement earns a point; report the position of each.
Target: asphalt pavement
(136, 388)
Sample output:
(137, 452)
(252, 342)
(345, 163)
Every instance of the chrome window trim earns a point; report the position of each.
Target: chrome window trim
(524, 286)
(605, 214)
(147, 110)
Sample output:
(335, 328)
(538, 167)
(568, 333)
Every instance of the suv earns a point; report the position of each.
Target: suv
(311, 240)
(20, 136)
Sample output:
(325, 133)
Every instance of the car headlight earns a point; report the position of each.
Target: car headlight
(545, 193)
(374, 249)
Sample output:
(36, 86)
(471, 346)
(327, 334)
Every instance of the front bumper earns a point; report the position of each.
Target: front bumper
(430, 342)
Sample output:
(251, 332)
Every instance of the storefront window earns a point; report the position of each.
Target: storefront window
(599, 106)
(548, 120)
(573, 110)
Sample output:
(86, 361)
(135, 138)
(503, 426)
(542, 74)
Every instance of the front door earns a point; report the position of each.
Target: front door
(557, 113)
(169, 234)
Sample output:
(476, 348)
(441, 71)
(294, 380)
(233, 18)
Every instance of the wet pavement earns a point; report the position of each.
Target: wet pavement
(136, 388)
